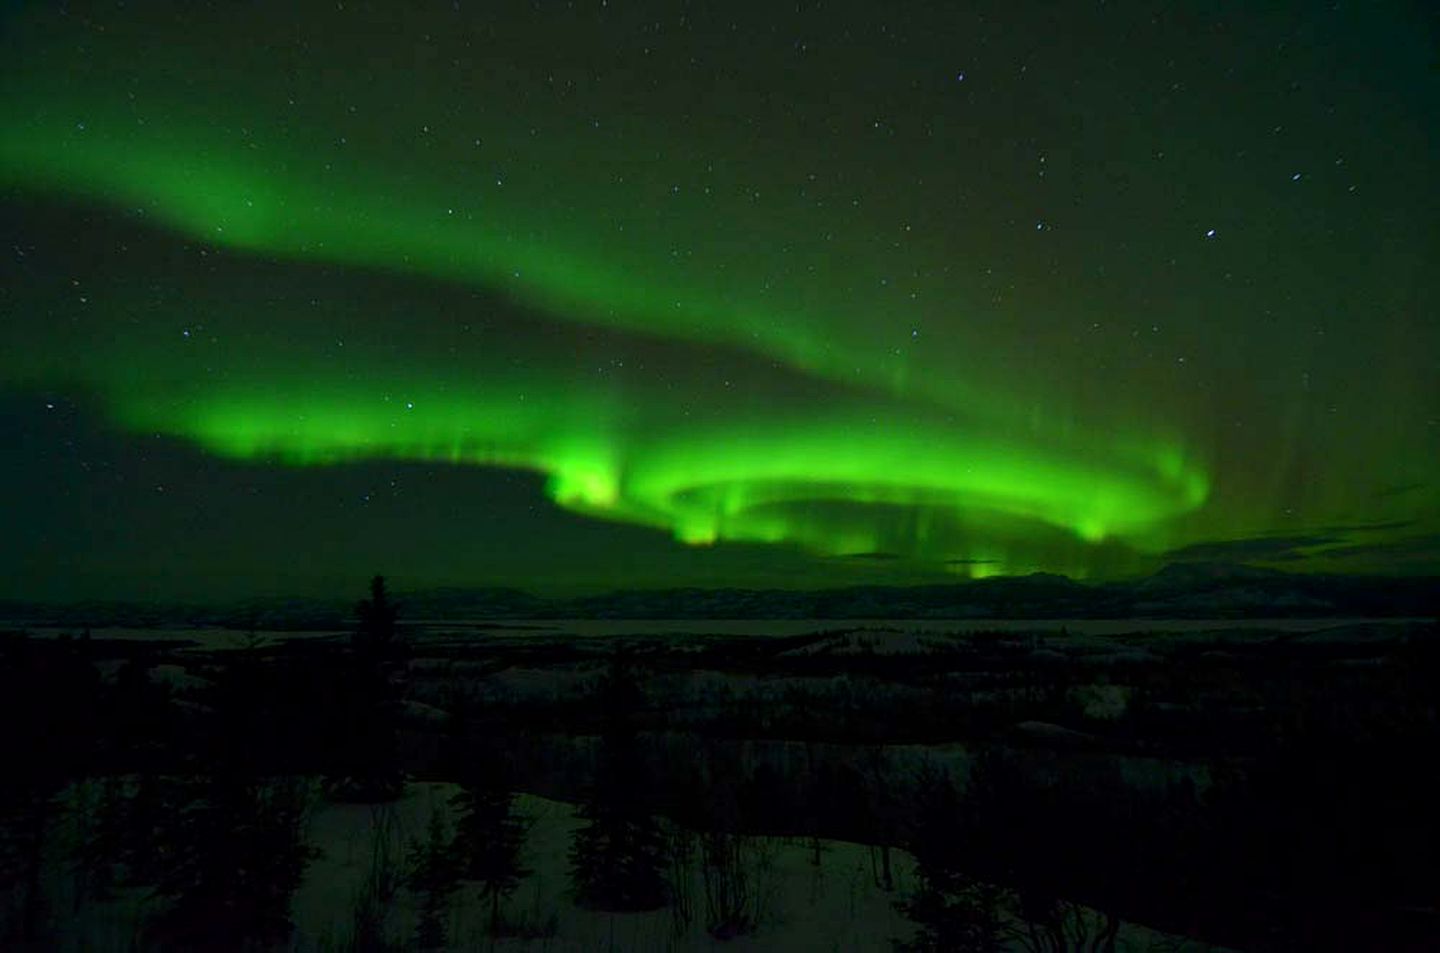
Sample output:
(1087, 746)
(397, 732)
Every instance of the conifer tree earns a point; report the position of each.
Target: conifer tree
(491, 836)
(434, 875)
(619, 857)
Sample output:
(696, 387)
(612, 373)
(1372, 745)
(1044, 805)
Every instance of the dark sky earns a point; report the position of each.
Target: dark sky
(596, 294)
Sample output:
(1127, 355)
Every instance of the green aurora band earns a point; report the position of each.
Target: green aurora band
(890, 450)
(742, 481)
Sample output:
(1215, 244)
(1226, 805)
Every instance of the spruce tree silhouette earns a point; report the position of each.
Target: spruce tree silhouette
(234, 836)
(434, 875)
(362, 743)
(490, 837)
(235, 857)
(377, 632)
(952, 910)
(619, 857)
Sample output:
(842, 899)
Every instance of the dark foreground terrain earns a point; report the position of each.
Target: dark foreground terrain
(1248, 789)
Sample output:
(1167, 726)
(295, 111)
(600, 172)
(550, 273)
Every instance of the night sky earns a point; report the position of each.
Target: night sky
(584, 295)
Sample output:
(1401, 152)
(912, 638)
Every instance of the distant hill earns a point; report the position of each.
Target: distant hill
(1188, 590)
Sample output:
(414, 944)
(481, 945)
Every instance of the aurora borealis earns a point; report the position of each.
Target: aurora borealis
(596, 294)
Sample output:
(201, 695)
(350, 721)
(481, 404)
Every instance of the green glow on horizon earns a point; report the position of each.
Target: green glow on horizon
(717, 480)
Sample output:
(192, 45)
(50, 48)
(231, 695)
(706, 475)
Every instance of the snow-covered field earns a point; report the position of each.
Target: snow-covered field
(837, 905)
(834, 906)
(806, 899)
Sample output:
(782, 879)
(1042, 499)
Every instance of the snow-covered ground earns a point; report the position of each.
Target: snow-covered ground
(836, 904)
